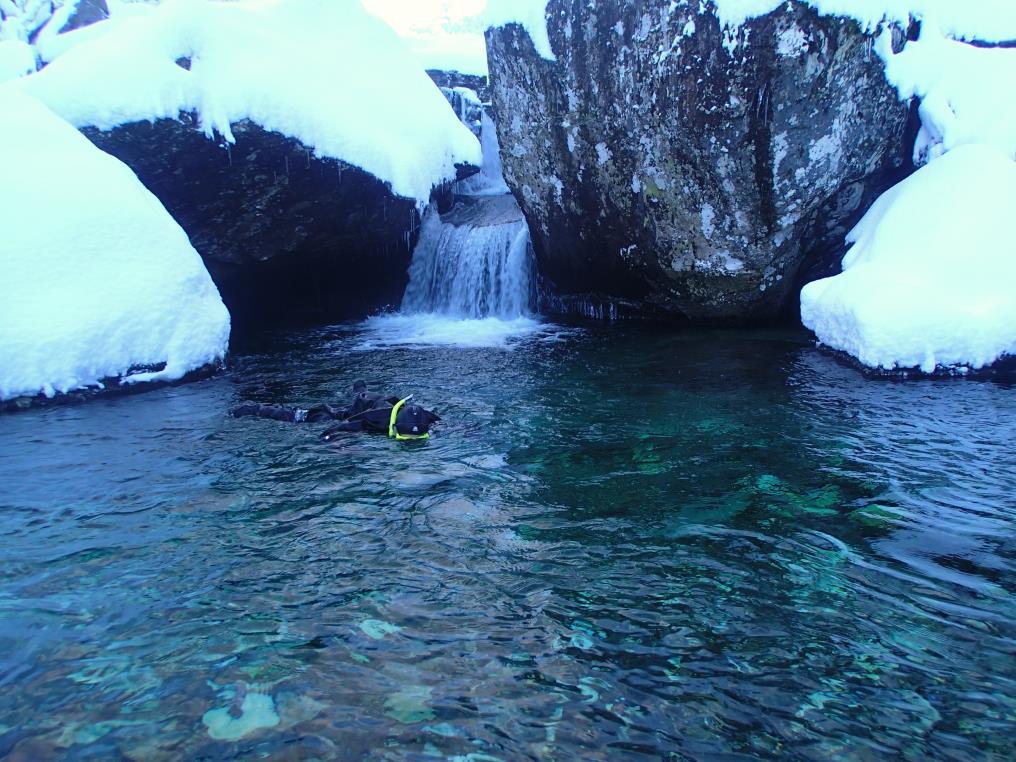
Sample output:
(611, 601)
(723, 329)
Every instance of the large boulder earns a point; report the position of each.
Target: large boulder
(676, 167)
(285, 235)
(327, 138)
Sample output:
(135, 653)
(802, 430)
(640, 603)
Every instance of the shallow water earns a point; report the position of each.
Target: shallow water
(618, 542)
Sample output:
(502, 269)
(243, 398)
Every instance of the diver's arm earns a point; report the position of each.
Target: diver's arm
(330, 433)
(275, 412)
(326, 413)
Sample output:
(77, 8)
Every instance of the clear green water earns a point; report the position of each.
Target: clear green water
(697, 546)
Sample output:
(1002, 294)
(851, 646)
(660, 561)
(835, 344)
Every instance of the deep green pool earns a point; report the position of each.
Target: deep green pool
(620, 542)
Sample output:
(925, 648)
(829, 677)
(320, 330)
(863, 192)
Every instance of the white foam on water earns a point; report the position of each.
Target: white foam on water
(434, 329)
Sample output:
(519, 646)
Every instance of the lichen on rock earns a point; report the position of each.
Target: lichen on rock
(693, 169)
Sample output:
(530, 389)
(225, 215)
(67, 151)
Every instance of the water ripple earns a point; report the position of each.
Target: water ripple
(698, 545)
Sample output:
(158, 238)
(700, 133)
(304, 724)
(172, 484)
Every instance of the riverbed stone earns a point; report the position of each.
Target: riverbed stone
(256, 712)
(670, 166)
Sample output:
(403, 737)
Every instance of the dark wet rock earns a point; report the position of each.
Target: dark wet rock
(87, 12)
(286, 236)
(484, 211)
(468, 109)
(452, 79)
(672, 168)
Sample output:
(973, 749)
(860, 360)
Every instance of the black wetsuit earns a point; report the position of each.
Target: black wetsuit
(291, 414)
(361, 402)
(366, 411)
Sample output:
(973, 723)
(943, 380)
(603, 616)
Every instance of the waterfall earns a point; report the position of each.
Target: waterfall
(473, 263)
(476, 261)
(472, 280)
(490, 181)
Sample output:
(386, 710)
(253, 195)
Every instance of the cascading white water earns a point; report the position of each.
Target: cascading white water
(472, 281)
(471, 271)
(475, 262)
(490, 180)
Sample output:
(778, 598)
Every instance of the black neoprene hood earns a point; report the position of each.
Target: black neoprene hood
(412, 420)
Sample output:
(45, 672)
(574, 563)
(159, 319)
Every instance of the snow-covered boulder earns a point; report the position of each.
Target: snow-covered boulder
(930, 280)
(97, 280)
(327, 74)
(285, 235)
(49, 27)
(965, 91)
(327, 138)
(672, 160)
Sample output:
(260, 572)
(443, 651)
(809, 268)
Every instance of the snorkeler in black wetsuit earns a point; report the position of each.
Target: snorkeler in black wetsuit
(366, 411)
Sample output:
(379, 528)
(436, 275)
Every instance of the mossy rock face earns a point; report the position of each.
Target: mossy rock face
(687, 170)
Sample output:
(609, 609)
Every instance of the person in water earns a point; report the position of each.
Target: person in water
(366, 411)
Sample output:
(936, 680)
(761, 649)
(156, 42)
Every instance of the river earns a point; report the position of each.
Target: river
(619, 541)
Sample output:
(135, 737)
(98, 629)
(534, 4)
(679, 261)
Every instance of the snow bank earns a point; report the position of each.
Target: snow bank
(20, 19)
(37, 23)
(97, 277)
(931, 277)
(437, 32)
(17, 59)
(966, 92)
(326, 73)
(462, 52)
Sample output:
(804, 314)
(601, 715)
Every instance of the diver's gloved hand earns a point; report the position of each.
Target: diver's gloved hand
(345, 426)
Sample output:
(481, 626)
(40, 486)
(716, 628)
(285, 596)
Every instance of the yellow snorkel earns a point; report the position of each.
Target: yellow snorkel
(391, 423)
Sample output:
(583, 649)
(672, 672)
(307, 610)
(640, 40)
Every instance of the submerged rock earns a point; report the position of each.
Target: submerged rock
(670, 166)
(377, 629)
(248, 712)
(410, 705)
(284, 234)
